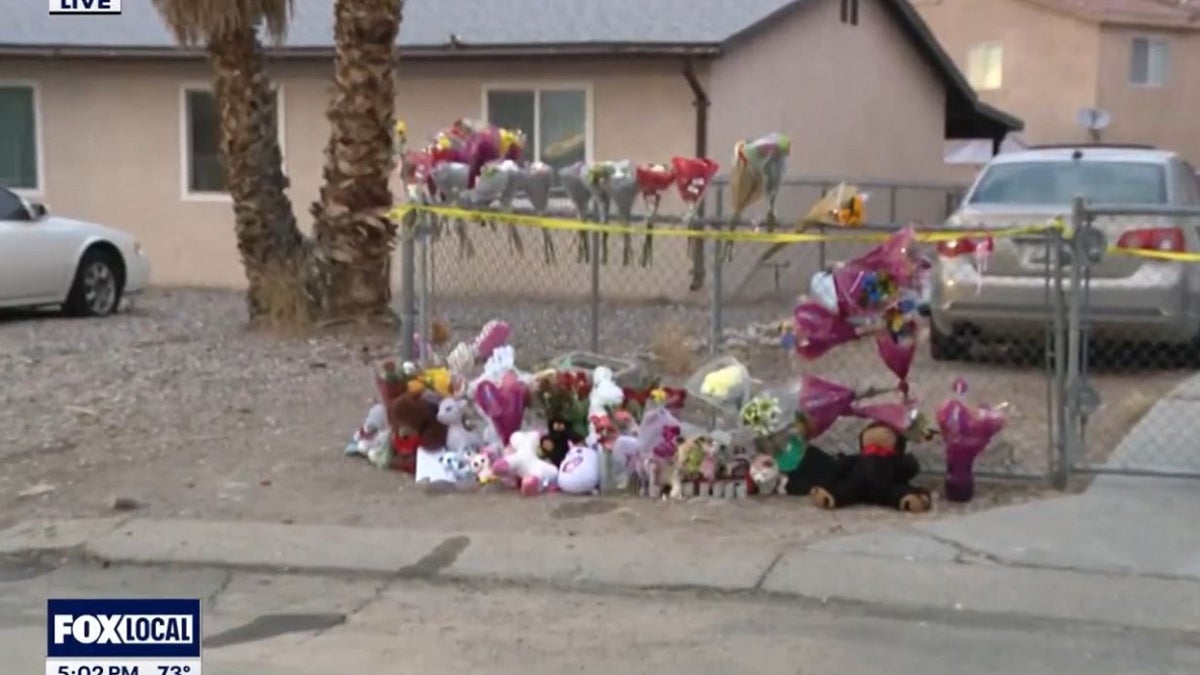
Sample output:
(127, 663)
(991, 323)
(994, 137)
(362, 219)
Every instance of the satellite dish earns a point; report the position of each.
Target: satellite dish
(1093, 119)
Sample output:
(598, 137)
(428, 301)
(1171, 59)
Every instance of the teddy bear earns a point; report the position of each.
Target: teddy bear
(521, 460)
(880, 474)
(695, 457)
(414, 424)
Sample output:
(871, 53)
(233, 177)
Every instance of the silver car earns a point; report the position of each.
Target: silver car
(1130, 298)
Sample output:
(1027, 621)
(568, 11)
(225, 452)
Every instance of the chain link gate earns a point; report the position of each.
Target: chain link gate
(1131, 395)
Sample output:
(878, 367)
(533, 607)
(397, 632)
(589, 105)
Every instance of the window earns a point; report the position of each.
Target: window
(1148, 62)
(1057, 183)
(12, 207)
(19, 137)
(204, 175)
(985, 66)
(555, 120)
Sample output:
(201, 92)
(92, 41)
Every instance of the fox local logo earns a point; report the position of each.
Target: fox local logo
(124, 629)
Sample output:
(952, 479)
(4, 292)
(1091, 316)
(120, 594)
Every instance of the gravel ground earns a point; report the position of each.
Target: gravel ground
(176, 406)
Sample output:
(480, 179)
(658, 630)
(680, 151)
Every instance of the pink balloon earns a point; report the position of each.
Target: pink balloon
(818, 330)
(495, 333)
(504, 405)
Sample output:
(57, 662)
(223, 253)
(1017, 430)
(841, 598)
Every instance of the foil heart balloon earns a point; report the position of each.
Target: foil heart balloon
(503, 403)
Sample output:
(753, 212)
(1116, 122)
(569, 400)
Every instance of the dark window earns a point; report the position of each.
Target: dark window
(1057, 183)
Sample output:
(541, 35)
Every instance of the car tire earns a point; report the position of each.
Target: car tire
(97, 288)
(943, 347)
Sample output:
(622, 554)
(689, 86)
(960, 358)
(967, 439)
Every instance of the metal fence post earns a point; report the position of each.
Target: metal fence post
(424, 275)
(1058, 462)
(594, 336)
(408, 282)
(716, 290)
(1071, 448)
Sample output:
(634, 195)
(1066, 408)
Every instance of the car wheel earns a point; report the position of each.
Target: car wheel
(97, 288)
(943, 347)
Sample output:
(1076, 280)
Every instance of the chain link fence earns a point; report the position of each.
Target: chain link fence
(1134, 393)
(1012, 334)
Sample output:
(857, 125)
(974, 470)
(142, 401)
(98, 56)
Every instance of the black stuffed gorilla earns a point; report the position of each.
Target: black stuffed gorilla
(557, 441)
(881, 475)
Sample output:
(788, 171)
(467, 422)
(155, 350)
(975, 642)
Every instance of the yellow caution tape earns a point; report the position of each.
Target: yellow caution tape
(569, 225)
(1165, 256)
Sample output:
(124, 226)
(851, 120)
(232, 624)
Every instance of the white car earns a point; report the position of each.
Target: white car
(49, 260)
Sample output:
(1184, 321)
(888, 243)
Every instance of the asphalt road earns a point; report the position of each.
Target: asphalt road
(301, 625)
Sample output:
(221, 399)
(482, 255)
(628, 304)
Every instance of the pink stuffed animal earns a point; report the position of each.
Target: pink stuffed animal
(521, 460)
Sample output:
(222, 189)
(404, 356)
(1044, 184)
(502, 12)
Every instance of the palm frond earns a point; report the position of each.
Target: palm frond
(193, 22)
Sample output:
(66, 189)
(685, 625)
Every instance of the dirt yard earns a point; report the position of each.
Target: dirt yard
(178, 410)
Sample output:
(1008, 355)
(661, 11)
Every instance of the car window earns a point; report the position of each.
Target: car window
(1190, 184)
(12, 207)
(1057, 183)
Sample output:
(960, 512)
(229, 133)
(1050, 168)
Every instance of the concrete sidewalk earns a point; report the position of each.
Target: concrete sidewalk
(1120, 554)
(1165, 439)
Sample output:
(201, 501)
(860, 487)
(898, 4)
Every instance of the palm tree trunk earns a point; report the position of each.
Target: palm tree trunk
(354, 236)
(273, 251)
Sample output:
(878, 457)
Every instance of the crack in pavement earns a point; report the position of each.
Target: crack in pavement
(428, 566)
(965, 550)
(762, 578)
(210, 601)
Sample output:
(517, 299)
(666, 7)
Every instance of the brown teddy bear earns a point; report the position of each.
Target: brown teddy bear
(414, 424)
(880, 474)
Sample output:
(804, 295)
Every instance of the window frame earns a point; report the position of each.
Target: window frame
(985, 48)
(185, 141)
(1151, 41)
(39, 135)
(589, 114)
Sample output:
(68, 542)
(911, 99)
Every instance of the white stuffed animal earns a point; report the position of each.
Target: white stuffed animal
(579, 473)
(521, 460)
(373, 430)
(605, 391)
(452, 413)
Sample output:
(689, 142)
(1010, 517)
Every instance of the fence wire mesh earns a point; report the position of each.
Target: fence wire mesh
(1011, 333)
(1139, 324)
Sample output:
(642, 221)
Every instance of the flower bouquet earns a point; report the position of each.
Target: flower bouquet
(536, 179)
(843, 206)
(966, 431)
(692, 178)
(598, 176)
(563, 395)
(621, 190)
(652, 180)
(758, 168)
(574, 180)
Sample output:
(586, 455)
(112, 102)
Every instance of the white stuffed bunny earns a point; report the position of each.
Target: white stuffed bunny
(452, 413)
(605, 394)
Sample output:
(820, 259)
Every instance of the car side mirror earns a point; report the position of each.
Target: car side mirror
(37, 210)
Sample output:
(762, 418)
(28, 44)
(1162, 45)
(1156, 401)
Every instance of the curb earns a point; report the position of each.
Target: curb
(913, 576)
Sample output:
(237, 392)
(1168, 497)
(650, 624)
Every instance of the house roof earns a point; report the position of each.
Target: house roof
(703, 28)
(1166, 13)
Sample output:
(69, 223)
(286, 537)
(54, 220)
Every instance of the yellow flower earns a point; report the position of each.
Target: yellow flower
(658, 395)
(401, 129)
(439, 380)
